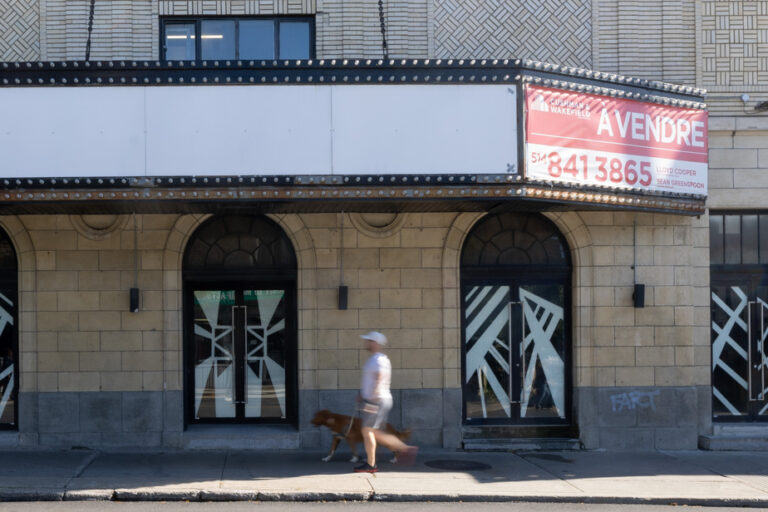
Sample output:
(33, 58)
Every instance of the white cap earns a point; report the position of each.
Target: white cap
(376, 337)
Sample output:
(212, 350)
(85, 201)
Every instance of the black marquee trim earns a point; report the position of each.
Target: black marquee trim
(309, 181)
(342, 71)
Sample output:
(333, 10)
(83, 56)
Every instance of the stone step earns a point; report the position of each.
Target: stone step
(470, 432)
(522, 444)
(241, 437)
(9, 439)
(736, 437)
(734, 443)
(752, 429)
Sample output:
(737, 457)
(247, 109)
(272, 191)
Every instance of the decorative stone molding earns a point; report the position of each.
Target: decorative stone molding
(378, 225)
(98, 227)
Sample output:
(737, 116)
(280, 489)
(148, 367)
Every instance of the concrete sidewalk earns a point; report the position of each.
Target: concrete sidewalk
(692, 478)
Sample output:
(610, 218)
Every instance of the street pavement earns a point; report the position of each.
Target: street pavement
(683, 478)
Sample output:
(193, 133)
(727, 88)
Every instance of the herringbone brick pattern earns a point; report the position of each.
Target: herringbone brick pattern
(734, 43)
(558, 32)
(19, 30)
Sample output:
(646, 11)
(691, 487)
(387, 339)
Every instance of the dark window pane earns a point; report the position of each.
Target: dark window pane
(733, 239)
(749, 239)
(239, 242)
(217, 39)
(257, 39)
(180, 41)
(763, 238)
(514, 239)
(716, 239)
(294, 40)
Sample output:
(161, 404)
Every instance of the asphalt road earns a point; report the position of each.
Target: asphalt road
(110, 506)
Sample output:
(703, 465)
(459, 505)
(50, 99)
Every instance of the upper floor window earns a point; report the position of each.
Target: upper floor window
(237, 38)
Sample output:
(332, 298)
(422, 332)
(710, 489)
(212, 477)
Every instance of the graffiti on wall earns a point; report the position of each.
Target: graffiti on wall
(634, 400)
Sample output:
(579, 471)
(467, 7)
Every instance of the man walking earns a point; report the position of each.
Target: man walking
(375, 403)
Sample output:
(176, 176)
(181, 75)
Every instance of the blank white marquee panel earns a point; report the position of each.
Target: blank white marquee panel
(278, 130)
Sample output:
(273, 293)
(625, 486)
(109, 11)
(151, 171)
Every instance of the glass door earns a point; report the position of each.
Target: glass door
(516, 354)
(242, 355)
(739, 355)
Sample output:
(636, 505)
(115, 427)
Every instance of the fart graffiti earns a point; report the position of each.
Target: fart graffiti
(634, 400)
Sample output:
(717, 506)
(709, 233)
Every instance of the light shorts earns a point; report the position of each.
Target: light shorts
(374, 415)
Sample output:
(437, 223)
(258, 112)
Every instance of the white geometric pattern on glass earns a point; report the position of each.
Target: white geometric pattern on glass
(218, 367)
(763, 353)
(488, 299)
(7, 381)
(258, 352)
(542, 318)
(723, 338)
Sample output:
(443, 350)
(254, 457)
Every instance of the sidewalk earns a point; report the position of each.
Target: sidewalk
(684, 478)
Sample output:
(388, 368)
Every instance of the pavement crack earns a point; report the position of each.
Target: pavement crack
(714, 471)
(84, 465)
(545, 470)
(223, 469)
(79, 470)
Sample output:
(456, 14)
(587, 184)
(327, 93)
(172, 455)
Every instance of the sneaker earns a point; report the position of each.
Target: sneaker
(366, 468)
(407, 457)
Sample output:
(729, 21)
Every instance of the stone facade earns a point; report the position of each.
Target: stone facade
(81, 347)
(641, 376)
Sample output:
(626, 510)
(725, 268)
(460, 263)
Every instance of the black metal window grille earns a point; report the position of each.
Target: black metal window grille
(511, 239)
(240, 243)
(243, 38)
(738, 238)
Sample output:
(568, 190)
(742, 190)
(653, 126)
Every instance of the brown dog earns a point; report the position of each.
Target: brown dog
(345, 427)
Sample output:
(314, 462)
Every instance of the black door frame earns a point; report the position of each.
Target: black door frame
(9, 282)
(514, 277)
(242, 281)
(751, 277)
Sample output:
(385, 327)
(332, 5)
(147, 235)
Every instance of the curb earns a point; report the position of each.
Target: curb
(240, 495)
(31, 495)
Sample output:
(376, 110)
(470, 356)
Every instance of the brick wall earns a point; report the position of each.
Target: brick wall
(122, 29)
(20, 30)
(558, 32)
(653, 39)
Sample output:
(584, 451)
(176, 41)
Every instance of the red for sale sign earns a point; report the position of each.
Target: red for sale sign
(589, 139)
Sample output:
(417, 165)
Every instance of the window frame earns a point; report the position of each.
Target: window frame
(197, 20)
(721, 265)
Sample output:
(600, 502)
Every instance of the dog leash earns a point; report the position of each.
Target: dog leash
(349, 426)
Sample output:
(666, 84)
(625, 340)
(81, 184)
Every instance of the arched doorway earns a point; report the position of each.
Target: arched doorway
(239, 276)
(516, 340)
(9, 341)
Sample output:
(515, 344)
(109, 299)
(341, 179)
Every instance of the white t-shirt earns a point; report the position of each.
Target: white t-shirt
(377, 363)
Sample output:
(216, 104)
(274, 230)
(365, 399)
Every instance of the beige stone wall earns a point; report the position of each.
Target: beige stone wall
(76, 332)
(738, 159)
(78, 335)
(666, 343)
(395, 282)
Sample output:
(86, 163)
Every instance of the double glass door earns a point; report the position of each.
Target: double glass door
(242, 354)
(516, 353)
(739, 353)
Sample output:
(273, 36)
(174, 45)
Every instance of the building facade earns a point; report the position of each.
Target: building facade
(87, 365)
